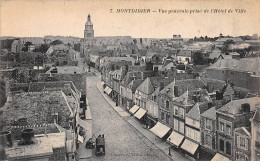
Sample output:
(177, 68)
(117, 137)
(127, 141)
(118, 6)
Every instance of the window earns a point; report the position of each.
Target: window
(221, 145)
(167, 104)
(237, 156)
(208, 140)
(175, 110)
(167, 118)
(176, 124)
(221, 126)
(228, 128)
(155, 111)
(162, 115)
(242, 142)
(181, 112)
(246, 158)
(228, 148)
(208, 124)
(181, 127)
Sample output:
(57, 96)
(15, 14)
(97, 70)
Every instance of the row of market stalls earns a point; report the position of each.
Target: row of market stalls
(175, 139)
(166, 133)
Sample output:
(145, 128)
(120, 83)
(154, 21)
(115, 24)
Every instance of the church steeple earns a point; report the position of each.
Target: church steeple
(88, 23)
(89, 32)
(89, 18)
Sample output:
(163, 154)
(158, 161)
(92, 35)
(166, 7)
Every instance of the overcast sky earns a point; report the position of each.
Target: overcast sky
(31, 18)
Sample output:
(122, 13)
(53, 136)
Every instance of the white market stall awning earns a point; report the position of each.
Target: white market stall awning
(220, 157)
(134, 109)
(175, 138)
(160, 130)
(140, 113)
(80, 139)
(108, 90)
(105, 90)
(189, 146)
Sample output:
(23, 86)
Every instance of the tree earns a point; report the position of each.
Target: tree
(6, 43)
(26, 45)
(199, 58)
(227, 43)
(43, 48)
(2, 93)
(77, 47)
(55, 42)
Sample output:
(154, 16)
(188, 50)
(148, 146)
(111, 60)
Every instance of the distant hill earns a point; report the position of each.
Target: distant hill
(7, 37)
(64, 39)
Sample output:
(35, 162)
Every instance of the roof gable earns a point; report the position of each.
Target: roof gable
(211, 113)
(146, 87)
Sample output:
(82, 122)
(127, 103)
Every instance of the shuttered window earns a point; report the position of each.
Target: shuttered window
(175, 125)
(181, 127)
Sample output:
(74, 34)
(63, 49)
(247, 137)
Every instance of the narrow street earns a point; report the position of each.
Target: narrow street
(123, 142)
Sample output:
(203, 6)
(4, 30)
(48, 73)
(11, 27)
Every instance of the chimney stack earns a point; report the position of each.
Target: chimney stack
(27, 137)
(5, 139)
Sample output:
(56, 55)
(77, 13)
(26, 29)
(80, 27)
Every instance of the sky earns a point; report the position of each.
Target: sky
(37, 18)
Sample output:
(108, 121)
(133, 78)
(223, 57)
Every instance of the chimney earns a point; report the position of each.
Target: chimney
(8, 90)
(245, 108)
(176, 91)
(142, 75)
(219, 104)
(2, 153)
(5, 139)
(219, 95)
(27, 137)
(55, 118)
(161, 85)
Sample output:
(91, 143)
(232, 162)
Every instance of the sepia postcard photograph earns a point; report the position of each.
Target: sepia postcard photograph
(129, 80)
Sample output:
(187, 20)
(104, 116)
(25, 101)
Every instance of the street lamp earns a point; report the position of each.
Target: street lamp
(170, 148)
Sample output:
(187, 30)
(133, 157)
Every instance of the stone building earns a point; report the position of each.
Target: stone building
(88, 40)
(255, 140)
(233, 115)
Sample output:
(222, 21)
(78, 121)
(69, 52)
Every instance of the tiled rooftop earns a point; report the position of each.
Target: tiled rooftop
(234, 106)
(244, 65)
(183, 85)
(37, 108)
(79, 80)
(211, 113)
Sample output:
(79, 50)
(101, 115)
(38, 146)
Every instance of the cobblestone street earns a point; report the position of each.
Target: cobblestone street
(123, 142)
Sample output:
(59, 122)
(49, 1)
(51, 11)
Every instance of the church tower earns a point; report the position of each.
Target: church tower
(89, 32)
(88, 41)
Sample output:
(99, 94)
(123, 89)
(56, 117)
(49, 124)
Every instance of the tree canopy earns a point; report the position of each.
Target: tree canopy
(55, 42)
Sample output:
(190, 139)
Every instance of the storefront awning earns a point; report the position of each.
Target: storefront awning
(134, 109)
(105, 90)
(189, 146)
(220, 157)
(80, 139)
(102, 82)
(108, 90)
(160, 130)
(140, 113)
(175, 138)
